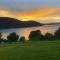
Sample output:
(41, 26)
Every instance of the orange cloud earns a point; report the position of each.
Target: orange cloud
(43, 14)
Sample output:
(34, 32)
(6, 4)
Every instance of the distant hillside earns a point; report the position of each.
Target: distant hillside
(57, 23)
(6, 22)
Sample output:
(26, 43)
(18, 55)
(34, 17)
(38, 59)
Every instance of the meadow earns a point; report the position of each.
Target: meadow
(35, 50)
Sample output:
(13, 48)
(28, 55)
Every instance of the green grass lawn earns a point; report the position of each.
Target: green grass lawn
(36, 50)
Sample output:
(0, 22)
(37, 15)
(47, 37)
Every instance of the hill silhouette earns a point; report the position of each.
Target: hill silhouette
(6, 22)
(55, 23)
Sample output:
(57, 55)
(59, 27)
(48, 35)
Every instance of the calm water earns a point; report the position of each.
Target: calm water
(26, 31)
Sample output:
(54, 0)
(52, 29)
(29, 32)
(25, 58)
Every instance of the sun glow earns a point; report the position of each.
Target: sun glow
(43, 14)
(24, 18)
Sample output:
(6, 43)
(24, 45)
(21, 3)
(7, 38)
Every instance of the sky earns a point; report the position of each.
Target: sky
(45, 11)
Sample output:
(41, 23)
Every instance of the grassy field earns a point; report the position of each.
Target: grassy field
(36, 50)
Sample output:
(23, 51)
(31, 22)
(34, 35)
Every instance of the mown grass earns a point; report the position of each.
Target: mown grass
(36, 50)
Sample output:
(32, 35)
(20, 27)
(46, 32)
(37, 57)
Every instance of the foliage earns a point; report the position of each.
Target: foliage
(22, 39)
(12, 37)
(57, 34)
(48, 36)
(35, 35)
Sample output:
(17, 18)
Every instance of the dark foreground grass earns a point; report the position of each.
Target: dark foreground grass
(36, 50)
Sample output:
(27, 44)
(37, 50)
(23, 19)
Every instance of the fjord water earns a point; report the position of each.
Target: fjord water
(26, 31)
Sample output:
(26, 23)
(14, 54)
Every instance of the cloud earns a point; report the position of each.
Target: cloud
(6, 13)
(39, 10)
(28, 4)
(38, 14)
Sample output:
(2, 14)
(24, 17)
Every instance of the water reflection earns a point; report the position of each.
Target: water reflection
(26, 31)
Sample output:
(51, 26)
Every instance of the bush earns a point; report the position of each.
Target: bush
(22, 39)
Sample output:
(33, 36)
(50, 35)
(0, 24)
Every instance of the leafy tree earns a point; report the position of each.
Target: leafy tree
(0, 35)
(12, 37)
(35, 35)
(57, 34)
(48, 36)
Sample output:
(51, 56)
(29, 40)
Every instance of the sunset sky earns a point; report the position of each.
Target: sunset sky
(44, 11)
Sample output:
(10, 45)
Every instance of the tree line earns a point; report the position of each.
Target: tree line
(37, 35)
(33, 36)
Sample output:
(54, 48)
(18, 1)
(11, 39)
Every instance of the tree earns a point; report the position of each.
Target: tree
(22, 39)
(48, 36)
(35, 35)
(1, 39)
(0, 35)
(57, 34)
(12, 37)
